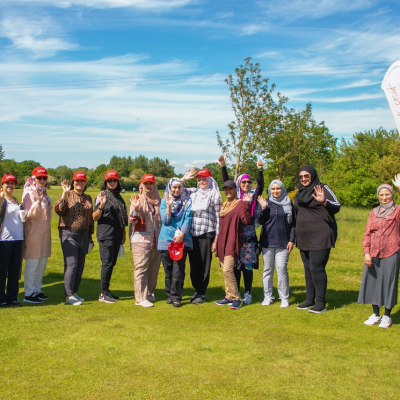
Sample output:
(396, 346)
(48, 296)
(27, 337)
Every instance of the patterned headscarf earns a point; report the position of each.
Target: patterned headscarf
(31, 186)
(180, 202)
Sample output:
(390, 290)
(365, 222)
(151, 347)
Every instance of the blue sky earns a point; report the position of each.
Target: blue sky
(83, 80)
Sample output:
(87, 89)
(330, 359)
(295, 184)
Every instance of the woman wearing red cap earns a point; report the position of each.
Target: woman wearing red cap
(11, 238)
(206, 205)
(144, 216)
(37, 206)
(76, 228)
(112, 218)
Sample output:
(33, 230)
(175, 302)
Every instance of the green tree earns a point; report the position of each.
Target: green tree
(160, 167)
(256, 114)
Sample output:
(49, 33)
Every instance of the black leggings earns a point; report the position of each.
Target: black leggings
(247, 278)
(375, 308)
(314, 271)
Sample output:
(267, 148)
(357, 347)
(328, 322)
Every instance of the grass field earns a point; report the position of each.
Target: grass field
(121, 351)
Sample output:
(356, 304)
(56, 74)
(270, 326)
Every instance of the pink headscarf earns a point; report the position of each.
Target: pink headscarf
(240, 192)
(31, 186)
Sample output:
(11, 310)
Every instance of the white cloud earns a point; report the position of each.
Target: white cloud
(155, 5)
(40, 37)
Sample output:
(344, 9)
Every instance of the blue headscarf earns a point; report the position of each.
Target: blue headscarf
(181, 202)
(283, 200)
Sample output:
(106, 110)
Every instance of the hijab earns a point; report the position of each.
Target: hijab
(384, 210)
(240, 192)
(228, 206)
(304, 194)
(201, 198)
(149, 203)
(180, 202)
(31, 186)
(118, 203)
(283, 200)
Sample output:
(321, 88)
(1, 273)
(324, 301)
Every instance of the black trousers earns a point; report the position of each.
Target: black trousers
(200, 262)
(314, 271)
(108, 253)
(174, 275)
(10, 269)
(247, 278)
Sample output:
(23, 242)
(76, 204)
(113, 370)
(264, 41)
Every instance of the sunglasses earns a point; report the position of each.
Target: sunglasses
(112, 180)
(306, 176)
(39, 178)
(245, 182)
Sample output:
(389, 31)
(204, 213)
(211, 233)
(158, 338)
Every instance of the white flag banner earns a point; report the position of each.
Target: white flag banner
(391, 87)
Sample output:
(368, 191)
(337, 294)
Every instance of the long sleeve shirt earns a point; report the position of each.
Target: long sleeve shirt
(276, 231)
(381, 237)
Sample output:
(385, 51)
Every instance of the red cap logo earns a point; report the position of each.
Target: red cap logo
(39, 171)
(79, 175)
(176, 250)
(204, 172)
(111, 174)
(148, 178)
(8, 178)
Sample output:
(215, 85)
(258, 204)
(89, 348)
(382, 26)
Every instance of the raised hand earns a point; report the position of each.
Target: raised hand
(102, 199)
(39, 196)
(396, 181)
(319, 194)
(248, 197)
(65, 186)
(260, 164)
(135, 203)
(222, 160)
(168, 199)
(263, 202)
(190, 174)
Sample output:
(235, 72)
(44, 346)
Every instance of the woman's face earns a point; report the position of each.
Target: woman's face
(202, 182)
(112, 183)
(385, 196)
(245, 185)
(8, 187)
(148, 186)
(80, 185)
(41, 181)
(276, 190)
(176, 189)
(230, 193)
(305, 178)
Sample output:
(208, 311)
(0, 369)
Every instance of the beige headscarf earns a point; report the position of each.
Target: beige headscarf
(228, 206)
(147, 198)
(383, 211)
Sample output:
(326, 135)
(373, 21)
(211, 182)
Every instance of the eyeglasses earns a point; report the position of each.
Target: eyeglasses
(245, 182)
(306, 176)
(39, 178)
(112, 180)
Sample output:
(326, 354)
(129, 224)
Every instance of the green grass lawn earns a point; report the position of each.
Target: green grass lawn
(121, 351)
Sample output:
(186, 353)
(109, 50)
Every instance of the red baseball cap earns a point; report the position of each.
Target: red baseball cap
(8, 178)
(176, 250)
(204, 172)
(39, 171)
(111, 174)
(148, 178)
(79, 175)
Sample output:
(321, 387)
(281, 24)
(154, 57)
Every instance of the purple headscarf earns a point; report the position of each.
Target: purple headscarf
(240, 192)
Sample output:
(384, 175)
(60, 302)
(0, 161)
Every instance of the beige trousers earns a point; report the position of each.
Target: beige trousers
(228, 268)
(146, 266)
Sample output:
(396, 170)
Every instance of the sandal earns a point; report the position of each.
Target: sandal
(177, 304)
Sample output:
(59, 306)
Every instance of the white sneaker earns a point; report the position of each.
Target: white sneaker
(386, 322)
(267, 301)
(248, 298)
(284, 303)
(372, 320)
(78, 297)
(145, 303)
(73, 301)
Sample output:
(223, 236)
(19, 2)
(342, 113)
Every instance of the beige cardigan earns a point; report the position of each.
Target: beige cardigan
(37, 228)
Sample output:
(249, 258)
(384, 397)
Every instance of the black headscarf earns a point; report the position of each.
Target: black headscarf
(304, 194)
(119, 205)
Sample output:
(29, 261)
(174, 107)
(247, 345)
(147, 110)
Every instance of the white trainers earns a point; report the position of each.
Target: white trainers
(386, 322)
(284, 303)
(79, 297)
(73, 301)
(145, 303)
(248, 298)
(372, 320)
(267, 301)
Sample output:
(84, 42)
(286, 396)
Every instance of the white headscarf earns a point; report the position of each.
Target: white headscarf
(201, 198)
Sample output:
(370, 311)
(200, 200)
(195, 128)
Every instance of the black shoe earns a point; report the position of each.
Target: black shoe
(318, 308)
(41, 296)
(194, 297)
(169, 301)
(32, 299)
(15, 303)
(199, 300)
(177, 304)
(3, 305)
(113, 296)
(106, 298)
(306, 305)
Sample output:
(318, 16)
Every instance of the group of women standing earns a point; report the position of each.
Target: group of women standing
(192, 221)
